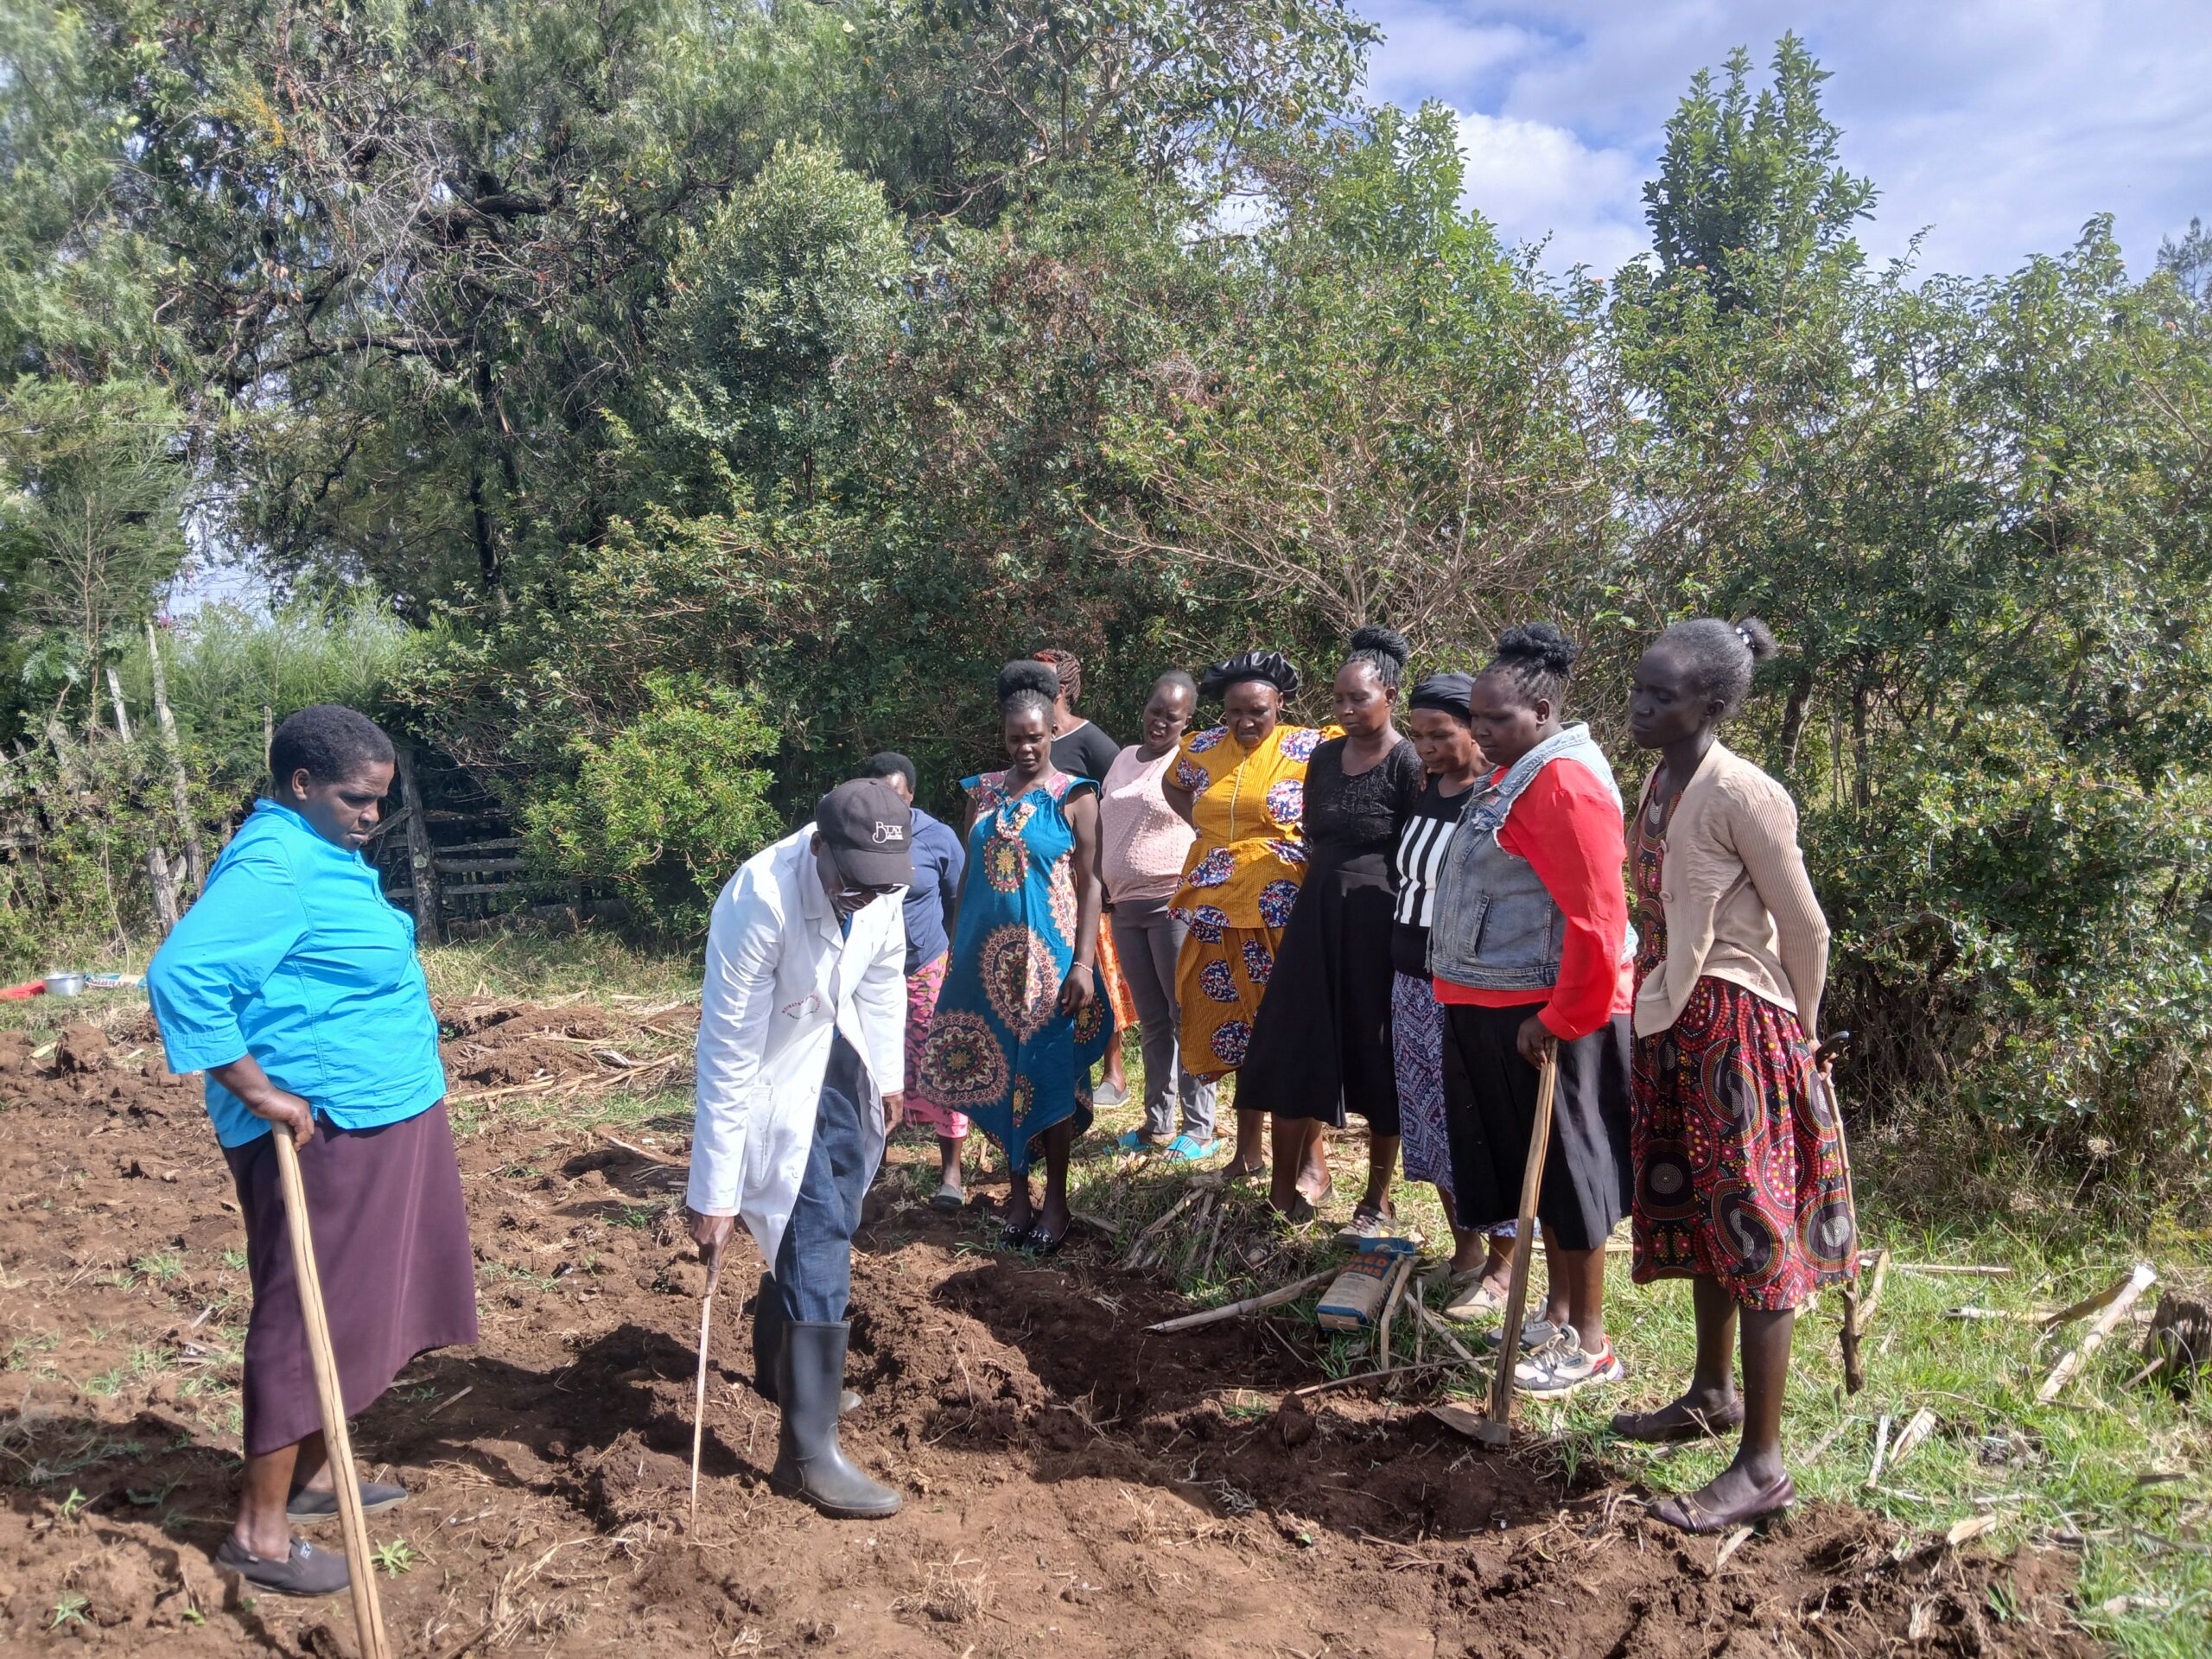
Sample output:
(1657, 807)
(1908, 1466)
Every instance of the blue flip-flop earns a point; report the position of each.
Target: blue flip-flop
(1134, 1140)
(1184, 1149)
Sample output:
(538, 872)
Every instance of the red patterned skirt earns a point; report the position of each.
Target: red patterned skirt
(1738, 1168)
(923, 986)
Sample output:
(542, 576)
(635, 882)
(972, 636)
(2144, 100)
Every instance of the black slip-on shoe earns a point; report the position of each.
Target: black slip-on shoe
(309, 1505)
(304, 1571)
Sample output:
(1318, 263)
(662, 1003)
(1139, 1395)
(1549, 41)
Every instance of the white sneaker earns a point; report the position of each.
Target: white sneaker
(1559, 1366)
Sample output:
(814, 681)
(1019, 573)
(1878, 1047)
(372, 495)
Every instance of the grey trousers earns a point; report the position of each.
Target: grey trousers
(1147, 939)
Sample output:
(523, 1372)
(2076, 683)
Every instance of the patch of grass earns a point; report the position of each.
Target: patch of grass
(143, 1362)
(234, 1259)
(641, 1216)
(502, 1273)
(541, 965)
(70, 1610)
(23, 1352)
(163, 1266)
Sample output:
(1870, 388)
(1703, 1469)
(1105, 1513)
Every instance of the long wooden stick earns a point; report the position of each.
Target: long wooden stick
(2089, 1304)
(196, 860)
(1398, 1282)
(699, 1403)
(1276, 1298)
(2061, 1374)
(337, 1444)
(1500, 1428)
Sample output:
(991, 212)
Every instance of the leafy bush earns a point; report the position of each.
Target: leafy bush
(666, 808)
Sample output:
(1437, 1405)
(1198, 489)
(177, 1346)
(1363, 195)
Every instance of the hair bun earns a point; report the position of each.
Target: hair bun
(1028, 674)
(1541, 645)
(1758, 637)
(1388, 641)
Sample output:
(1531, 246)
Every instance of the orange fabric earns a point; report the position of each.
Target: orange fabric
(1248, 807)
(1117, 986)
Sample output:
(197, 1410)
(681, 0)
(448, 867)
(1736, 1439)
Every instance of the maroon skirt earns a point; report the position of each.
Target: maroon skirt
(390, 1246)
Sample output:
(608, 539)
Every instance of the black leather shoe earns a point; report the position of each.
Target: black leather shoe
(809, 1464)
(303, 1571)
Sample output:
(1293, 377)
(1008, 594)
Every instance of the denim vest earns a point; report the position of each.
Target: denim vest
(1494, 927)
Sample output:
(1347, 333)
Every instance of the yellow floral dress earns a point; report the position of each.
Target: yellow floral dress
(1239, 882)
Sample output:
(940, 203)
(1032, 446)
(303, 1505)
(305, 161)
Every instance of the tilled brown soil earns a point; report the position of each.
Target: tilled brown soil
(1074, 1486)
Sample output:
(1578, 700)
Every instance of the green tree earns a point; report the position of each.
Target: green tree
(92, 487)
(1750, 188)
(800, 267)
(666, 808)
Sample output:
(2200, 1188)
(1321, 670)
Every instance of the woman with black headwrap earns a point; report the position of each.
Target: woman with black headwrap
(1322, 1045)
(1242, 786)
(1441, 717)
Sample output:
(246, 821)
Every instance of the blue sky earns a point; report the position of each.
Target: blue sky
(1997, 126)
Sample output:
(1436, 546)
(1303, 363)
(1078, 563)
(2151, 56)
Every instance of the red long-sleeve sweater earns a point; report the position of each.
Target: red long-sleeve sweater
(1569, 829)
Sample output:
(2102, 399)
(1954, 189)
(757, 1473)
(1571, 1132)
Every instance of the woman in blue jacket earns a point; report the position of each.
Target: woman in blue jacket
(294, 987)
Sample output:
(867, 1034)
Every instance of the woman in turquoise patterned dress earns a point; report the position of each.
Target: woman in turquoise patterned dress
(1021, 1020)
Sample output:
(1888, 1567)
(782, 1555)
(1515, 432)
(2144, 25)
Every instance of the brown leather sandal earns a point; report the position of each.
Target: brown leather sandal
(1643, 1428)
(1688, 1514)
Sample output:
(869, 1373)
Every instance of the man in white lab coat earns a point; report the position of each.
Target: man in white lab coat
(802, 1070)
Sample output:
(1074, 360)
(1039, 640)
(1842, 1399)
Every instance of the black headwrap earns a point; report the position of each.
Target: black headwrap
(1269, 665)
(1453, 693)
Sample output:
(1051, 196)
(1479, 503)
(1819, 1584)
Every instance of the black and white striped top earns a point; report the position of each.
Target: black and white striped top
(1418, 863)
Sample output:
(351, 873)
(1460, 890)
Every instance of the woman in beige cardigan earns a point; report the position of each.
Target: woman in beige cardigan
(1739, 1179)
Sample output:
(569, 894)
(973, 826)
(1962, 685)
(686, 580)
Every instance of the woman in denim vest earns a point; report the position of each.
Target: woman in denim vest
(1529, 947)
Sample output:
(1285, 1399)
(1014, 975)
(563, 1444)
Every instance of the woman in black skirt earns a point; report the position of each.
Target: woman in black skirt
(1322, 1043)
(1528, 947)
(293, 985)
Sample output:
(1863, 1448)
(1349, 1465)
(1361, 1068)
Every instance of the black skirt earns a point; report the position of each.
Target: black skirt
(1322, 1041)
(1490, 1110)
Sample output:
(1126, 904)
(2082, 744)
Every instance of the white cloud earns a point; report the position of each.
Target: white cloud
(1533, 181)
(2000, 125)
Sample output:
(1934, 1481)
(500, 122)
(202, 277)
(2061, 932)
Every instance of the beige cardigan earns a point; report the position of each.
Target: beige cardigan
(1738, 903)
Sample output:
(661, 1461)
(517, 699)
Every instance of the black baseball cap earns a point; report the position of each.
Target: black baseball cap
(870, 833)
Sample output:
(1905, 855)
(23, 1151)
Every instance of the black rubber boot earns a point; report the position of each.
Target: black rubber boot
(810, 1376)
(767, 1335)
(768, 1321)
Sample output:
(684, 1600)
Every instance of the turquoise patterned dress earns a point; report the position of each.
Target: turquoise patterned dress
(1000, 1050)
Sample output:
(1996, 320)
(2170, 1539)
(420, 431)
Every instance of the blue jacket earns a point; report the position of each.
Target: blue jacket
(292, 955)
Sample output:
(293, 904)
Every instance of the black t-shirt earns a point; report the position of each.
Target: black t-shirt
(1418, 864)
(1350, 814)
(1086, 751)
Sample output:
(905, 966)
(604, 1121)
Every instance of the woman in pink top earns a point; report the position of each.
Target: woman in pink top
(1145, 845)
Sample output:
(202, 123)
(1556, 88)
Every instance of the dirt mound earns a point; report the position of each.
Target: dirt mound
(81, 1048)
(1073, 1482)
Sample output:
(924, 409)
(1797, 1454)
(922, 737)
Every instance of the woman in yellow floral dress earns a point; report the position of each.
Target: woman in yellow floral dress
(1242, 786)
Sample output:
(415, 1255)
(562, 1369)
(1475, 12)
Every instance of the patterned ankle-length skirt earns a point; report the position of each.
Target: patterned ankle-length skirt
(1739, 1168)
(922, 987)
(1221, 975)
(1417, 1047)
